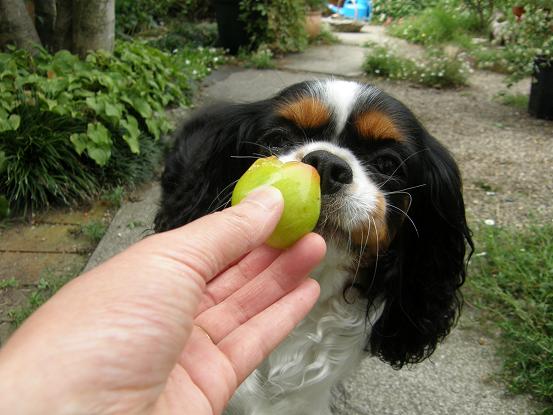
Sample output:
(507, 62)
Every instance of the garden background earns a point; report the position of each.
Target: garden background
(90, 91)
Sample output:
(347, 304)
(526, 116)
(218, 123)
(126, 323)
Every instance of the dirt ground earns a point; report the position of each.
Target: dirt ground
(505, 156)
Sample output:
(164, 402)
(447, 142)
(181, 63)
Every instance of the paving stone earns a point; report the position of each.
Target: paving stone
(44, 238)
(343, 60)
(28, 268)
(95, 213)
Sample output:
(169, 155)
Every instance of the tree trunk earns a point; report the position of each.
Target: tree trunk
(94, 25)
(46, 19)
(16, 26)
(63, 29)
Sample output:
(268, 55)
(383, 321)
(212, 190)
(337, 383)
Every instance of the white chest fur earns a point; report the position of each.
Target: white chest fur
(297, 378)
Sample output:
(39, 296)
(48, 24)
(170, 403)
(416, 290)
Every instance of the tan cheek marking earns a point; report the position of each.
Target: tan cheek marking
(307, 112)
(374, 232)
(377, 125)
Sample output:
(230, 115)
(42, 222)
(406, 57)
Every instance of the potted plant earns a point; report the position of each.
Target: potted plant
(531, 54)
(314, 16)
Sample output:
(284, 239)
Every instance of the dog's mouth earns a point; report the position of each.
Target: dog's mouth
(348, 222)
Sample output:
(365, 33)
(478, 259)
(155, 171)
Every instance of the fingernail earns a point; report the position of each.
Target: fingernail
(267, 196)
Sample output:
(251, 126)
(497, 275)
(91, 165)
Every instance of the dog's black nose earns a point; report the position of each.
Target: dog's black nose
(334, 171)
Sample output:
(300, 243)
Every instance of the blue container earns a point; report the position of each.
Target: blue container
(354, 9)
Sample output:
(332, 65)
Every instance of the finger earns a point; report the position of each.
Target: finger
(248, 345)
(237, 276)
(208, 245)
(281, 277)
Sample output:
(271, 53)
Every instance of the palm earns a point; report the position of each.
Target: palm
(235, 328)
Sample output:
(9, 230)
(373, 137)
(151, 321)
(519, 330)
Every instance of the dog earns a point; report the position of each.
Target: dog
(392, 215)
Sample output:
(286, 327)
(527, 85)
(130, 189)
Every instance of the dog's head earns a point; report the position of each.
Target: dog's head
(391, 196)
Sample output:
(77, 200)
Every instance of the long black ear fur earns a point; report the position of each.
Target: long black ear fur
(202, 166)
(426, 265)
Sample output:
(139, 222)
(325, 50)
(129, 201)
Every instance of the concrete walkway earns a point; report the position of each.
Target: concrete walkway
(459, 377)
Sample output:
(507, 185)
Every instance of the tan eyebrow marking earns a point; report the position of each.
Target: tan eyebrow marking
(307, 112)
(377, 126)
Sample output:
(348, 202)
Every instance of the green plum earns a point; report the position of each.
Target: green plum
(300, 186)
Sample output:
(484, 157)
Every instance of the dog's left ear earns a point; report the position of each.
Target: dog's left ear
(208, 156)
(421, 282)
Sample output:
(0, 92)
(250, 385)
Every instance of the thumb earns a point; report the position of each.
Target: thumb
(210, 244)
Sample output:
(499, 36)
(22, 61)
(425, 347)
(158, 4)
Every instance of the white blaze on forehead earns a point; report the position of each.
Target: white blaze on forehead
(341, 96)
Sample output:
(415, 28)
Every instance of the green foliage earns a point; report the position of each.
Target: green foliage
(316, 5)
(395, 9)
(115, 197)
(512, 281)
(532, 37)
(262, 58)
(9, 283)
(438, 70)
(46, 287)
(325, 37)
(70, 127)
(279, 24)
(434, 26)
(94, 231)
(519, 101)
(41, 165)
(186, 34)
(134, 16)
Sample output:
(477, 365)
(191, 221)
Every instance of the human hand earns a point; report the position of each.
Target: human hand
(171, 325)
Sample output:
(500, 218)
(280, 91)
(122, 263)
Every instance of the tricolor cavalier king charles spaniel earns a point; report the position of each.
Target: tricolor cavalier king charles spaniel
(392, 215)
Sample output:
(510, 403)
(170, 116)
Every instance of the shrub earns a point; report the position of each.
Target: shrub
(185, 35)
(532, 38)
(279, 24)
(70, 127)
(133, 16)
(434, 26)
(384, 9)
(262, 58)
(438, 70)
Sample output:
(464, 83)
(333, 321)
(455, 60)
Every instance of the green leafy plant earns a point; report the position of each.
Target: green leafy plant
(115, 197)
(436, 25)
(9, 283)
(279, 24)
(134, 16)
(532, 39)
(262, 58)
(183, 35)
(519, 101)
(438, 70)
(89, 123)
(395, 9)
(94, 231)
(512, 281)
(46, 287)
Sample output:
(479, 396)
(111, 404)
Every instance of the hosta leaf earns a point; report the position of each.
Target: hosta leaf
(79, 142)
(133, 133)
(98, 134)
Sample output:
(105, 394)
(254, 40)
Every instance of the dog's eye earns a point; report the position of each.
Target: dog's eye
(386, 164)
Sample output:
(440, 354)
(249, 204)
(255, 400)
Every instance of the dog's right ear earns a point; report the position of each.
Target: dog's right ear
(206, 159)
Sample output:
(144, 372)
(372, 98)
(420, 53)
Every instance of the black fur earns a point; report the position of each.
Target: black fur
(421, 270)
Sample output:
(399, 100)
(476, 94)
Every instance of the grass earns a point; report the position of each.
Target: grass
(94, 231)
(438, 70)
(519, 101)
(46, 288)
(511, 280)
(9, 283)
